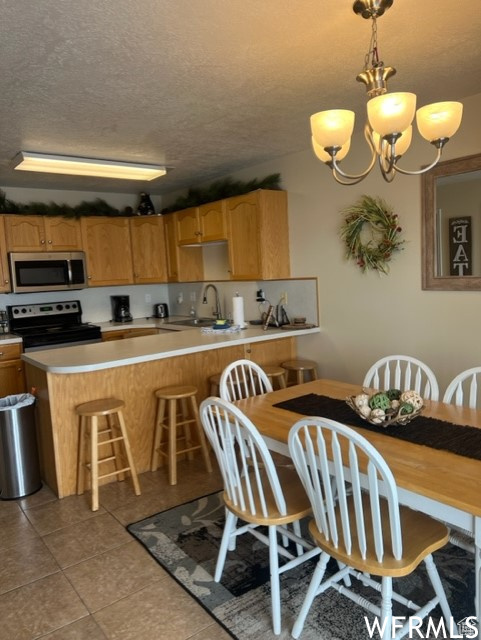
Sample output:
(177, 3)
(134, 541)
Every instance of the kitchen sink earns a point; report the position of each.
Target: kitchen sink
(195, 322)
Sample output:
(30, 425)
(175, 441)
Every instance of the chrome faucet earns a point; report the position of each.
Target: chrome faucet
(218, 310)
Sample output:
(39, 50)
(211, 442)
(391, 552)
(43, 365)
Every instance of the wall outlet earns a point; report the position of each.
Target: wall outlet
(193, 296)
(148, 297)
(283, 298)
(180, 298)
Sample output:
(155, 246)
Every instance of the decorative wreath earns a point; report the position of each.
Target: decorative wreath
(376, 251)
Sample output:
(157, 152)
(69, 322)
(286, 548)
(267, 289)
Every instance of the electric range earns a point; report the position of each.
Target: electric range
(50, 325)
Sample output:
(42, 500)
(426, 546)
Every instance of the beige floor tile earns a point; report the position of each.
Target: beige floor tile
(15, 530)
(193, 481)
(61, 513)
(9, 508)
(25, 563)
(85, 629)
(214, 632)
(113, 575)
(86, 539)
(38, 608)
(162, 611)
(36, 499)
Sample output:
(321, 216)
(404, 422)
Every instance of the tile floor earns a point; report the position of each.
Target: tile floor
(67, 573)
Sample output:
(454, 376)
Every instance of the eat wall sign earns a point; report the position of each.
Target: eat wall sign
(460, 248)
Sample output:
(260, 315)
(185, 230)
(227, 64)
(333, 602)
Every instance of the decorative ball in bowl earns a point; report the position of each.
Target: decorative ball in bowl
(386, 408)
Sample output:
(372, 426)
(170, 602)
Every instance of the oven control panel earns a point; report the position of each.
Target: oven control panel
(39, 310)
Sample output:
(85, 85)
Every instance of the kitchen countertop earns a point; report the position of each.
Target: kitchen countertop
(178, 341)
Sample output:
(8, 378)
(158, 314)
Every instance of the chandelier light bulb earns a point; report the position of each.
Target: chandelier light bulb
(391, 113)
(402, 143)
(323, 156)
(332, 128)
(439, 120)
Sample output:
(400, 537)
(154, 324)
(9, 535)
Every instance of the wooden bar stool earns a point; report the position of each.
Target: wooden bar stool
(113, 433)
(168, 419)
(275, 373)
(214, 384)
(300, 367)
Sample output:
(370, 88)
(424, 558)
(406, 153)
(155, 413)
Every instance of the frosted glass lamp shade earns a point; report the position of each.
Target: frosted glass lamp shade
(323, 156)
(391, 112)
(332, 128)
(439, 120)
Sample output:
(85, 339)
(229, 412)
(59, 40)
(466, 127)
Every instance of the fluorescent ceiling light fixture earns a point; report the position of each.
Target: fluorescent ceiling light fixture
(72, 166)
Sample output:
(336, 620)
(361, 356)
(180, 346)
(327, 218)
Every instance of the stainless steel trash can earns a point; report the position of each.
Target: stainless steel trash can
(19, 464)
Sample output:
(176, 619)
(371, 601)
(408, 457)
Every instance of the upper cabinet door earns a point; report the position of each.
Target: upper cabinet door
(187, 226)
(148, 249)
(258, 235)
(106, 241)
(25, 233)
(213, 221)
(62, 234)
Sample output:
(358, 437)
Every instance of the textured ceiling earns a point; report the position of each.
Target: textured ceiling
(207, 86)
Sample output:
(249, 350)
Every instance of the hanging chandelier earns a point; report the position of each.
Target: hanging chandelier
(388, 129)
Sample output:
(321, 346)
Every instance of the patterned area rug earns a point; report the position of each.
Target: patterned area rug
(185, 541)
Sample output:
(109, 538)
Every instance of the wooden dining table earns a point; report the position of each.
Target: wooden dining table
(438, 482)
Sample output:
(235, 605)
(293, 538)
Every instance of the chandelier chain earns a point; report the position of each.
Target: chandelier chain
(372, 56)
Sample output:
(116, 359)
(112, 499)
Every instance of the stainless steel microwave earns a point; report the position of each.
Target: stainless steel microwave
(52, 271)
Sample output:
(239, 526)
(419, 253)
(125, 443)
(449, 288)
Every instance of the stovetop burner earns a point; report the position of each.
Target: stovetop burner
(46, 325)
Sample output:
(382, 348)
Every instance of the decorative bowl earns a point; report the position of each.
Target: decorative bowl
(387, 408)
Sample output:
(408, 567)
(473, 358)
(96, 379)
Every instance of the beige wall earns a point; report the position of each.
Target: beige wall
(366, 316)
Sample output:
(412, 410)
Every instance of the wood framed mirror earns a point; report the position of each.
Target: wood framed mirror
(451, 225)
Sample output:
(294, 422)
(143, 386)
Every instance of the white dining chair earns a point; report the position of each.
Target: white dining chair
(242, 379)
(404, 373)
(256, 493)
(369, 534)
(463, 390)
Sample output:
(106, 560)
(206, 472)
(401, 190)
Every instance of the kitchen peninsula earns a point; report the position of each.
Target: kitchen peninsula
(132, 369)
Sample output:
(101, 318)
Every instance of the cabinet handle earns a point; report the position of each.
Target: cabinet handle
(6, 281)
(1, 354)
(89, 277)
(42, 241)
(50, 242)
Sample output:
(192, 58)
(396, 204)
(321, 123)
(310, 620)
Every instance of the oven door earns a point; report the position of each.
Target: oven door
(56, 271)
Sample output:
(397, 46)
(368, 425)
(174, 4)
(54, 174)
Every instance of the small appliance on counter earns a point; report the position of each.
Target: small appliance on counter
(161, 310)
(121, 309)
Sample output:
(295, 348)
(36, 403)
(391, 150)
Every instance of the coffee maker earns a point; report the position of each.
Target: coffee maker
(121, 309)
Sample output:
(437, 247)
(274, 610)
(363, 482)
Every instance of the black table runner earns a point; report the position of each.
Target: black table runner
(431, 432)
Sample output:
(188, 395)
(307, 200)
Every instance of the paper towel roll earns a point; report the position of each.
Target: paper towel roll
(238, 311)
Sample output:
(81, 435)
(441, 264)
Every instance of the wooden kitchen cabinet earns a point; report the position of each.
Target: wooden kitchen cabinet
(4, 272)
(203, 224)
(149, 261)
(106, 242)
(271, 352)
(12, 376)
(42, 233)
(258, 237)
(184, 264)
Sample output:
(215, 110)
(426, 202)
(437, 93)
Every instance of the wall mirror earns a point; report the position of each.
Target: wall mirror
(451, 225)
